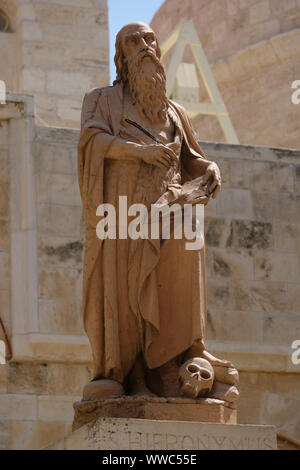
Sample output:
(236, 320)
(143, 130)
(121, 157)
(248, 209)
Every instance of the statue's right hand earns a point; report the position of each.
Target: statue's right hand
(158, 154)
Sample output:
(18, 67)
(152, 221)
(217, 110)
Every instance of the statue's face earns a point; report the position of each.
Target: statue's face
(137, 38)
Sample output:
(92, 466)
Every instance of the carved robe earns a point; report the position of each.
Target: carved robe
(140, 295)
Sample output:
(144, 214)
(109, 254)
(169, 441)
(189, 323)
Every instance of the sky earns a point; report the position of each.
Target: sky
(121, 12)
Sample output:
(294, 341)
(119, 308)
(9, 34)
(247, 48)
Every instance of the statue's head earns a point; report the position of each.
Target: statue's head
(134, 39)
(137, 61)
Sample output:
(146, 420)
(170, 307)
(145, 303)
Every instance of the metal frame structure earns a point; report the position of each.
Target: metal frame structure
(185, 35)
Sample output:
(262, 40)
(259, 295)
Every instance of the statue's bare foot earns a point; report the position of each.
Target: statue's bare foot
(226, 392)
(198, 350)
(214, 360)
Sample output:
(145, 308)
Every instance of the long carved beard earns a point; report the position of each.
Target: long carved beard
(147, 84)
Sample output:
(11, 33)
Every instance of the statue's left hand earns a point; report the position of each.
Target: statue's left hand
(212, 177)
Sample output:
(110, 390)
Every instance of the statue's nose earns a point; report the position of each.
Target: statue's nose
(196, 375)
(145, 46)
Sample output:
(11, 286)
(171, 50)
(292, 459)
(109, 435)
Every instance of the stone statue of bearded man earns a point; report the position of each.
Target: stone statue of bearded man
(144, 300)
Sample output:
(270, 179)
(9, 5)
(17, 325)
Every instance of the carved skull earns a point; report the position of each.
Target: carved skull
(196, 377)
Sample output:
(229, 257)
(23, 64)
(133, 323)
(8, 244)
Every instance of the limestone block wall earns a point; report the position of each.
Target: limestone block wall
(41, 240)
(252, 234)
(4, 233)
(253, 50)
(253, 255)
(56, 51)
(60, 235)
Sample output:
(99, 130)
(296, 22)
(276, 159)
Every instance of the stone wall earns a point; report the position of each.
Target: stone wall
(56, 51)
(253, 50)
(252, 231)
(253, 262)
(229, 26)
(4, 233)
(60, 243)
(41, 237)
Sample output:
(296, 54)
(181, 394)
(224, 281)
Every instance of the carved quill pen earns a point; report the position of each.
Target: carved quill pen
(198, 195)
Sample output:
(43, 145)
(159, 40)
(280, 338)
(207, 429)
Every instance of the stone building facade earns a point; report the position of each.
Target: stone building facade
(253, 47)
(55, 50)
(252, 238)
(252, 234)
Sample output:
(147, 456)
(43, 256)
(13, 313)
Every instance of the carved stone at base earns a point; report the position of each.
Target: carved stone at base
(146, 434)
(178, 409)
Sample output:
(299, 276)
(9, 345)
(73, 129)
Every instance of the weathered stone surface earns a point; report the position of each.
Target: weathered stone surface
(175, 409)
(29, 378)
(293, 297)
(4, 163)
(53, 158)
(68, 110)
(34, 435)
(4, 197)
(60, 251)
(217, 230)
(253, 296)
(219, 296)
(34, 81)
(59, 220)
(272, 396)
(60, 283)
(275, 266)
(4, 271)
(235, 264)
(5, 311)
(297, 178)
(4, 235)
(248, 234)
(236, 203)
(284, 412)
(58, 46)
(286, 237)
(55, 408)
(68, 379)
(18, 407)
(263, 206)
(237, 325)
(5, 434)
(57, 189)
(60, 316)
(4, 136)
(281, 329)
(286, 205)
(3, 378)
(132, 434)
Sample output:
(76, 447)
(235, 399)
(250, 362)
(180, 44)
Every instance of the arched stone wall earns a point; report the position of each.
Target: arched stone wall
(253, 48)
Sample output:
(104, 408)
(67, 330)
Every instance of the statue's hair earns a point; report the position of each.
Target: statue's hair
(121, 65)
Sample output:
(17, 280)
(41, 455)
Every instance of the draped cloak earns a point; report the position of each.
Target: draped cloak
(142, 295)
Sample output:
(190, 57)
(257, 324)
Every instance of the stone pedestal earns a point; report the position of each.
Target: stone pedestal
(142, 423)
(205, 410)
(145, 434)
